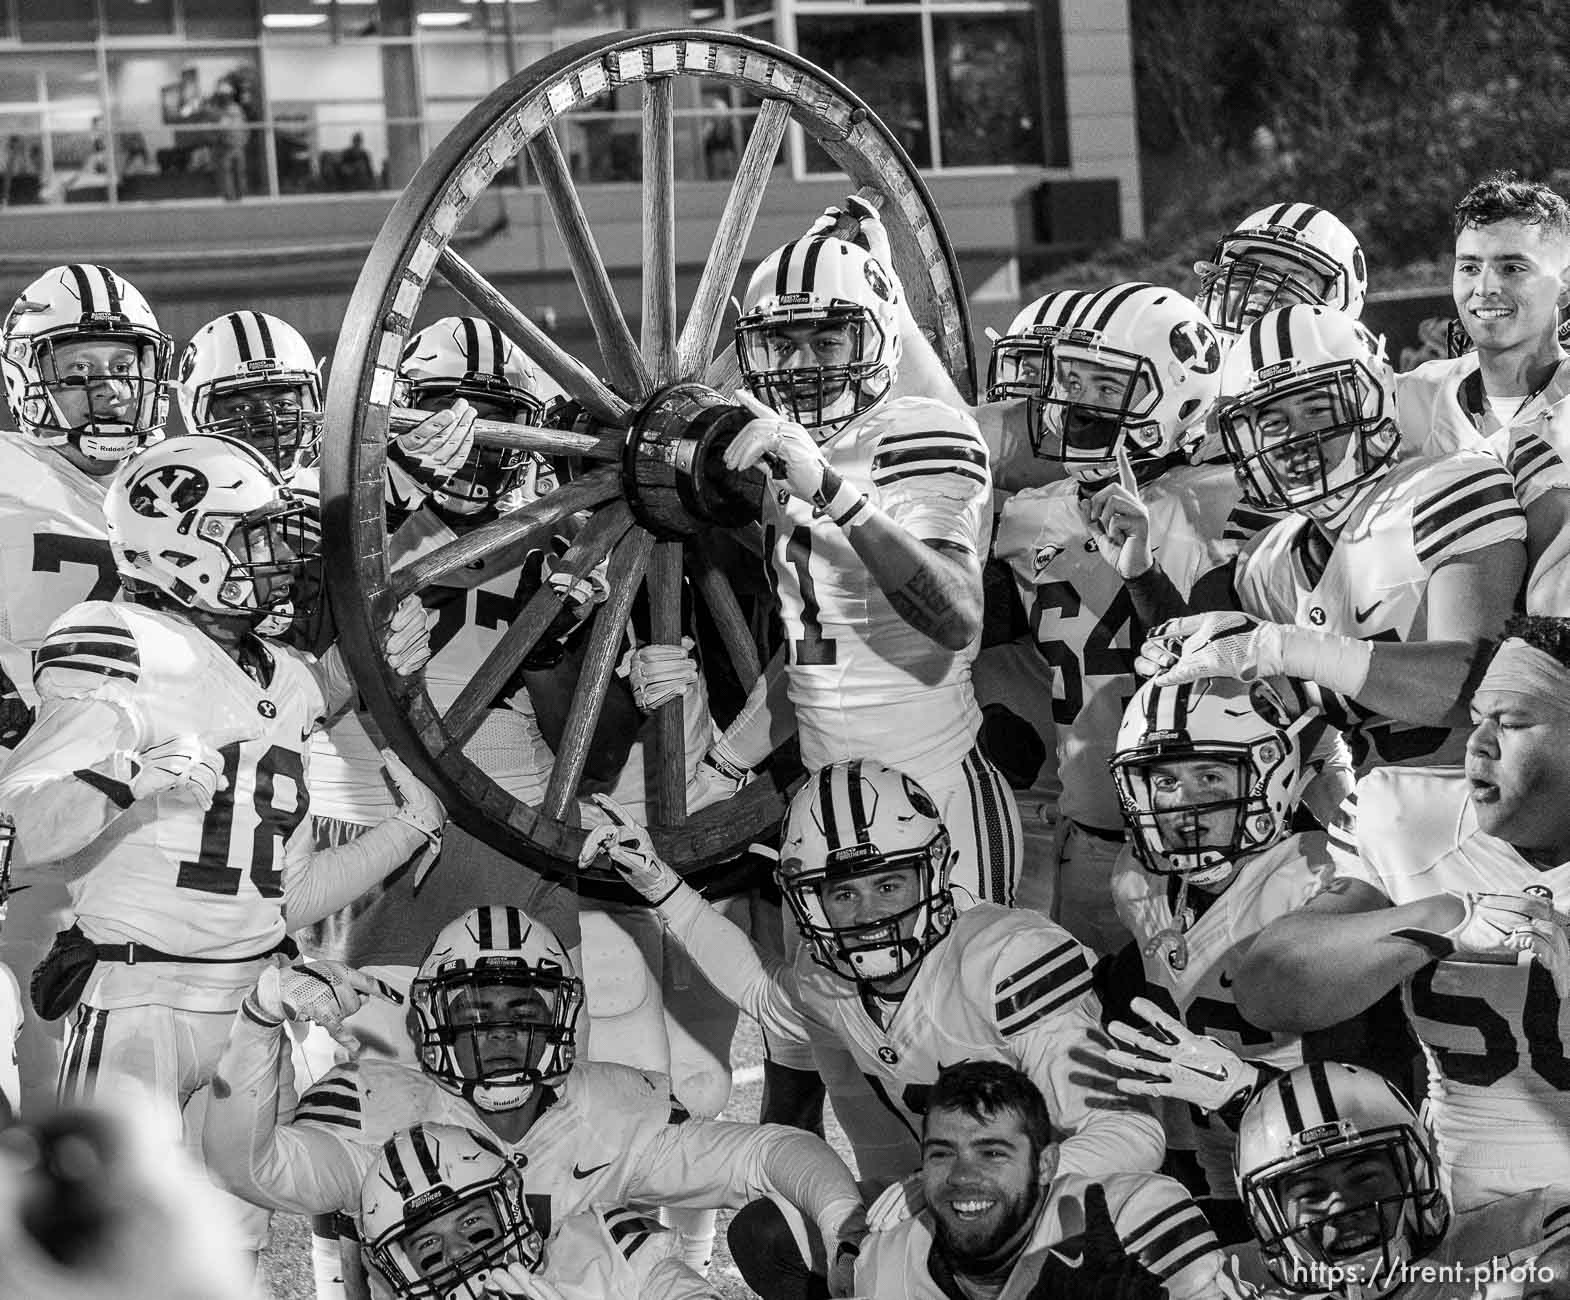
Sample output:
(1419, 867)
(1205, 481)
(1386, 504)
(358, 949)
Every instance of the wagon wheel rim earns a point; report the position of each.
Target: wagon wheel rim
(641, 391)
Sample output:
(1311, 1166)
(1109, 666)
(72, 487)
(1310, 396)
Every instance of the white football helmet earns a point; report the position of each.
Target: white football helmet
(209, 523)
(79, 303)
(440, 1208)
(240, 353)
(858, 818)
(1019, 363)
(1282, 256)
(1242, 744)
(467, 356)
(1307, 412)
(1298, 1123)
(493, 1011)
(824, 283)
(1134, 365)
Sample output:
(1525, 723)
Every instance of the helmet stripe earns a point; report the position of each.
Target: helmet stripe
(471, 346)
(1256, 348)
(1283, 334)
(1289, 1106)
(1118, 296)
(1308, 214)
(400, 1177)
(809, 267)
(84, 286)
(514, 929)
(1279, 215)
(858, 806)
(826, 805)
(111, 289)
(264, 330)
(241, 341)
(1322, 1092)
(782, 271)
(498, 352)
(425, 1153)
(1180, 700)
(1153, 708)
(485, 936)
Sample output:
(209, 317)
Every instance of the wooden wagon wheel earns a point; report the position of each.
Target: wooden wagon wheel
(653, 479)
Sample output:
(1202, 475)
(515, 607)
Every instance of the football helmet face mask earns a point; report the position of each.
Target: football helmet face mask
(208, 522)
(85, 363)
(1208, 773)
(1286, 255)
(1132, 366)
(251, 376)
(818, 339)
(493, 1011)
(442, 1207)
(1308, 411)
(1298, 1138)
(466, 356)
(852, 821)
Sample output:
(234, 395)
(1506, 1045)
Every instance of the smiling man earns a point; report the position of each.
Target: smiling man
(1455, 885)
(1512, 275)
(999, 1219)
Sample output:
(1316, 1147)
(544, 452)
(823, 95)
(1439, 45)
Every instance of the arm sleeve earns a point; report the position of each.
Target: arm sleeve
(332, 678)
(69, 778)
(762, 987)
(1050, 1019)
(315, 885)
(304, 1169)
(714, 1164)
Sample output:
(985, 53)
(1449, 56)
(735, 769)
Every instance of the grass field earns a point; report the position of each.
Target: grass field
(287, 1263)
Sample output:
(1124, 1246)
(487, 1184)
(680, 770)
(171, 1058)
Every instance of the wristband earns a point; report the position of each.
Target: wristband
(1338, 663)
(726, 764)
(839, 500)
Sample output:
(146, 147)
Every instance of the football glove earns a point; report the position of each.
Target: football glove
(658, 673)
(417, 807)
(1231, 644)
(631, 852)
(1172, 1061)
(436, 448)
(792, 458)
(185, 763)
(1105, 1269)
(870, 233)
(1119, 522)
(407, 643)
(1493, 927)
(325, 993)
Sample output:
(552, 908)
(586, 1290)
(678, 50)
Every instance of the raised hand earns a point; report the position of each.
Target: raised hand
(325, 993)
(1169, 1060)
(631, 851)
(1119, 522)
(1105, 1270)
(870, 232)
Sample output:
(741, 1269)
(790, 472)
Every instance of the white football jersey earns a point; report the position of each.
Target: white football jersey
(1420, 515)
(1003, 985)
(165, 873)
(1195, 965)
(1083, 617)
(1494, 1035)
(54, 549)
(861, 679)
(1155, 1218)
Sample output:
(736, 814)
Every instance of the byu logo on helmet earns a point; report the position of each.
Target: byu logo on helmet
(168, 490)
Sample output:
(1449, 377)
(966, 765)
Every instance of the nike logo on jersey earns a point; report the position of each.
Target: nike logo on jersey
(585, 1173)
(1363, 615)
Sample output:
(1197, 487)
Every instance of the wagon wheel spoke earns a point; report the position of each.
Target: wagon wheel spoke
(670, 737)
(523, 437)
(725, 609)
(659, 228)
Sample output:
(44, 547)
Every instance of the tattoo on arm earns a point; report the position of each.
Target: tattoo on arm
(933, 599)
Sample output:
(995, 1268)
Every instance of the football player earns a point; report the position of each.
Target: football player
(85, 367)
(1210, 776)
(167, 778)
(1450, 885)
(1341, 1183)
(875, 526)
(494, 1013)
(1385, 581)
(446, 1215)
(1506, 394)
(1281, 256)
(1001, 1218)
(890, 971)
(1122, 377)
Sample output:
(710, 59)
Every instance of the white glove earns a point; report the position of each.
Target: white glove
(436, 448)
(326, 993)
(1172, 1061)
(1493, 927)
(516, 1280)
(407, 642)
(896, 1203)
(417, 807)
(631, 852)
(871, 234)
(584, 593)
(1231, 644)
(1119, 522)
(659, 673)
(185, 763)
(783, 445)
(1551, 947)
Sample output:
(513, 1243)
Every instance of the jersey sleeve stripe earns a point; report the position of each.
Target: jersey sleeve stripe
(1529, 457)
(1557, 1222)
(1025, 972)
(1500, 512)
(1047, 996)
(948, 468)
(948, 435)
(1179, 1244)
(88, 666)
(1459, 507)
(937, 452)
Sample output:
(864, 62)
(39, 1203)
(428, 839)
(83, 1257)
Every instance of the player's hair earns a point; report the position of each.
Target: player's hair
(1550, 635)
(984, 1089)
(1504, 196)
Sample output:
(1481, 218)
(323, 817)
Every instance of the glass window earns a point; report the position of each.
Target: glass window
(461, 16)
(138, 18)
(456, 74)
(21, 159)
(879, 58)
(989, 97)
(209, 19)
(56, 20)
(346, 20)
